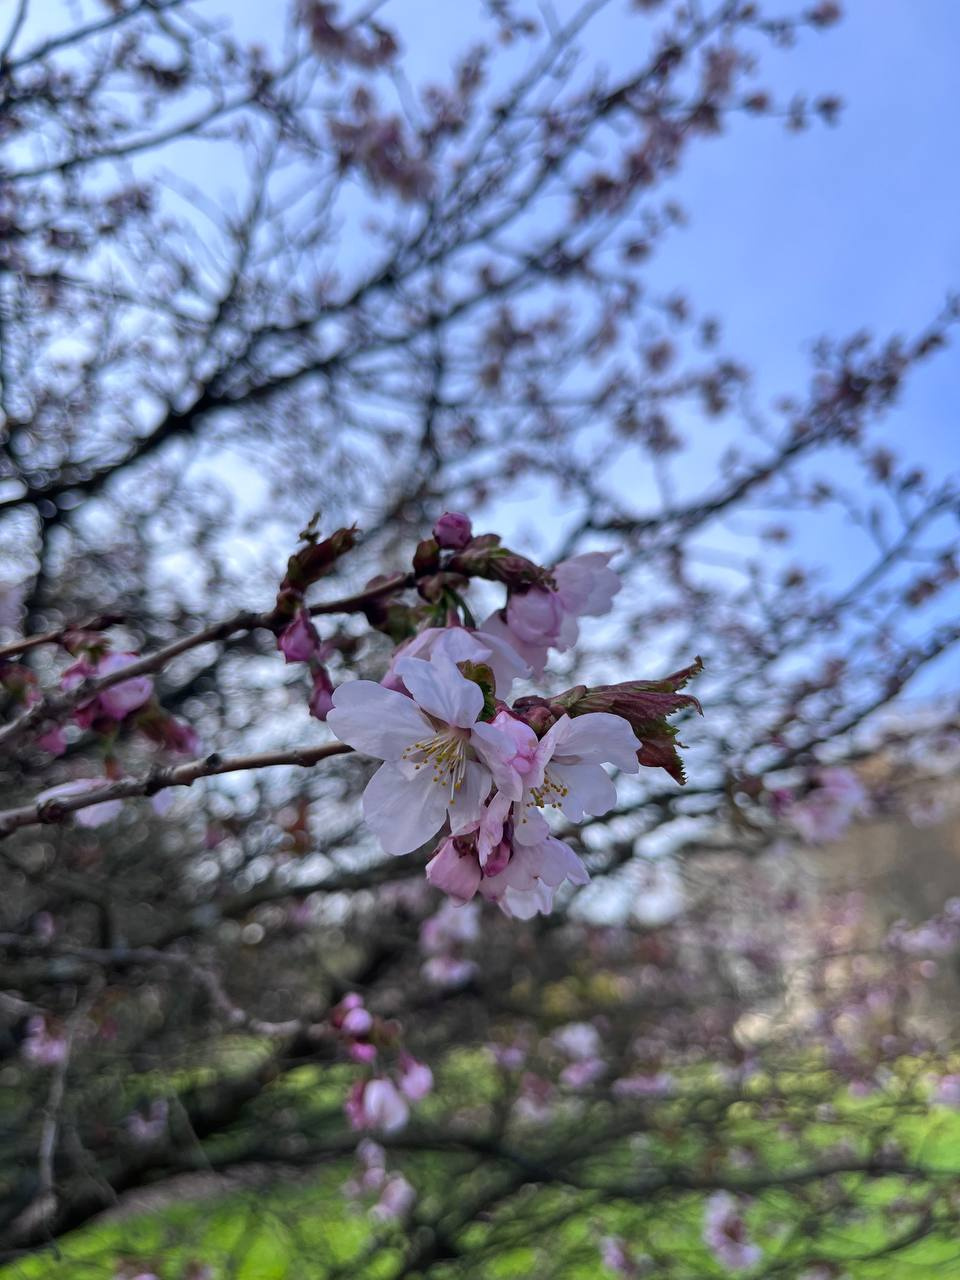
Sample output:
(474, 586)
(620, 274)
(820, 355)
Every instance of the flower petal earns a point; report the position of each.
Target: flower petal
(589, 789)
(439, 688)
(597, 738)
(496, 749)
(534, 655)
(587, 584)
(466, 806)
(404, 812)
(557, 862)
(454, 873)
(375, 721)
(529, 825)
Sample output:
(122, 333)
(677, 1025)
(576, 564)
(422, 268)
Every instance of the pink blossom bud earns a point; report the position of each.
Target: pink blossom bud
(416, 1080)
(321, 699)
(362, 1051)
(396, 1200)
(357, 1022)
(299, 641)
(453, 530)
(379, 1105)
(120, 699)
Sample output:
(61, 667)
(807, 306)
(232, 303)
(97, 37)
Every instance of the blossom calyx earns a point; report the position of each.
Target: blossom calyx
(645, 705)
(426, 558)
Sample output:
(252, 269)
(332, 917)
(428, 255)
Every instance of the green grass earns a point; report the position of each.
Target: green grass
(305, 1229)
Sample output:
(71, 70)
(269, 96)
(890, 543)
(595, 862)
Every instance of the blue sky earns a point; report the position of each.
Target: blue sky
(790, 236)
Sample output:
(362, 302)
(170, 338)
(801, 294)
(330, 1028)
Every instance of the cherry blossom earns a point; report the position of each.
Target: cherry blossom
(377, 1104)
(442, 938)
(321, 697)
(41, 1046)
(643, 1086)
(150, 1126)
(563, 769)
(538, 619)
(416, 1078)
(53, 740)
(725, 1234)
(618, 1258)
(115, 702)
(426, 741)
(396, 1199)
(946, 1091)
(517, 866)
(462, 644)
(828, 810)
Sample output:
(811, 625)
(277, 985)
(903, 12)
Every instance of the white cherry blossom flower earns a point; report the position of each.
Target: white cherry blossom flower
(427, 742)
(538, 619)
(563, 769)
(463, 644)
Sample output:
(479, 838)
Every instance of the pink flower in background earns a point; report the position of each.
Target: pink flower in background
(828, 810)
(396, 1199)
(946, 1091)
(377, 1104)
(114, 703)
(426, 741)
(580, 1075)
(453, 530)
(149, 1127)
(537, 619)
(462, 644)
(659, 1085)
(577, 1040)
(321, 698)
(449, 927)
(40, 1046)
(618, 1257)
(442, 938)
(94, 815)
(176, 735)
(357, 1022)
(581, 1043)
(53, 740)
(725, 1234)
(449, 972)
(416, 1078)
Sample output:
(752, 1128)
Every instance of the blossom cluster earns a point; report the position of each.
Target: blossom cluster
(382, 1101)
(458, 761)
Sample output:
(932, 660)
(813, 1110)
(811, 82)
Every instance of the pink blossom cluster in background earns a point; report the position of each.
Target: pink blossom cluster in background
(725, 1233)
(822, 814)
(381, 1101)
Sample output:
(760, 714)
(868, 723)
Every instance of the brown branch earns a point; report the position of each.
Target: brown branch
(55, 809)
(54, 706)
